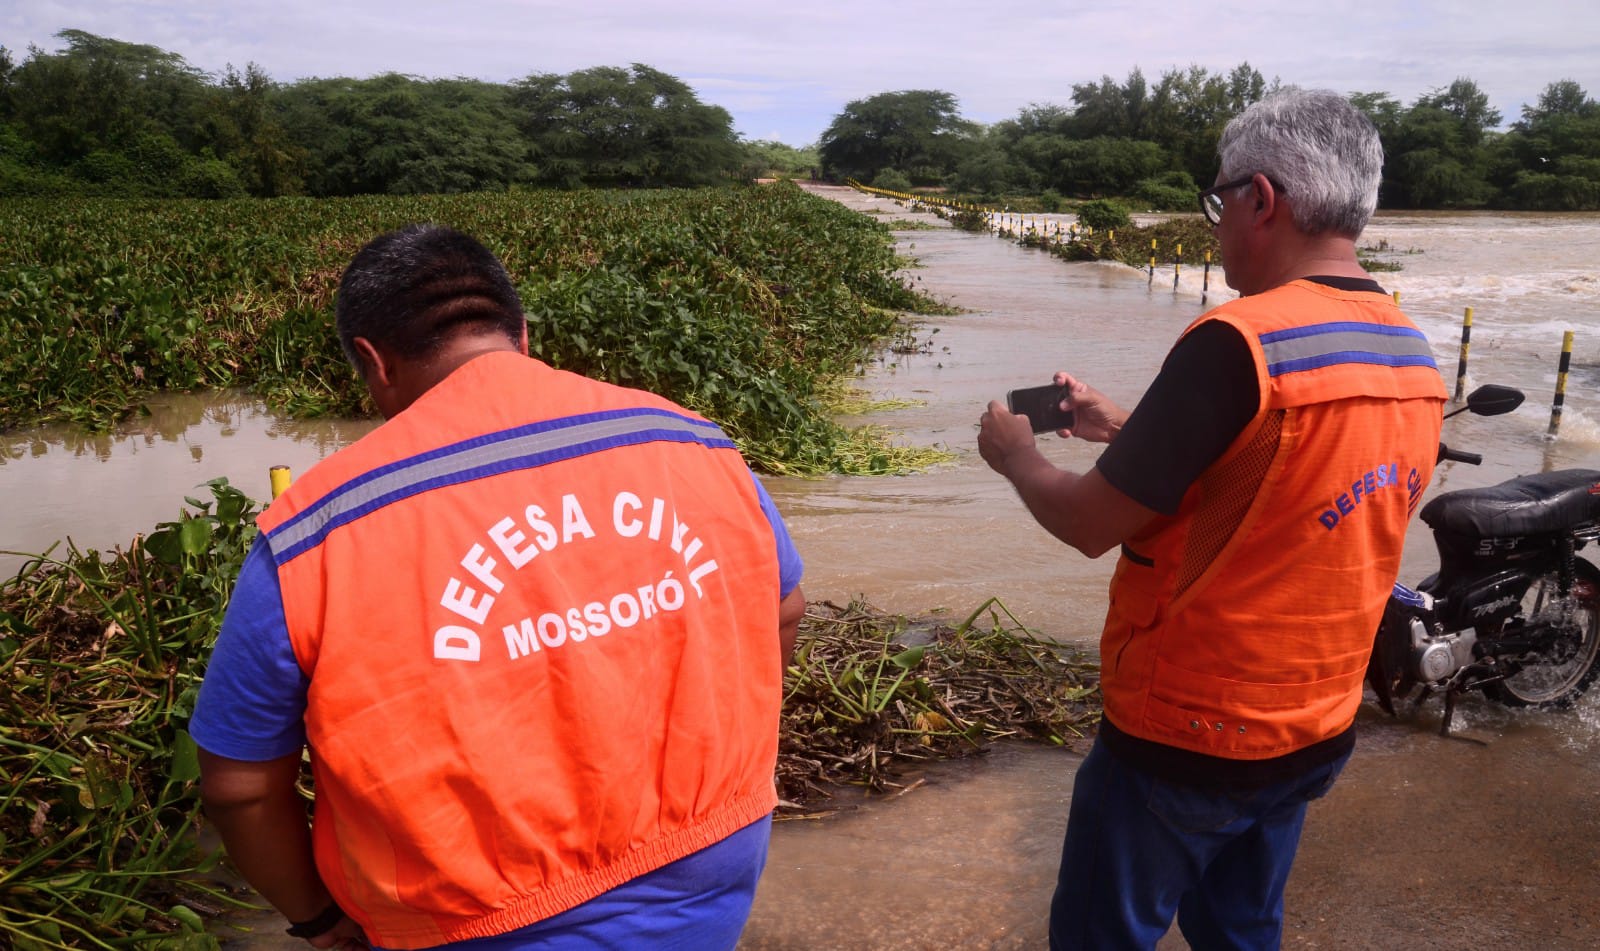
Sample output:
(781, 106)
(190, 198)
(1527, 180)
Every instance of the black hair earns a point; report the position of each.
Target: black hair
(412, 289)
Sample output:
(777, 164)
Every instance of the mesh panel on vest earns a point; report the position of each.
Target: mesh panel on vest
(1226, 494)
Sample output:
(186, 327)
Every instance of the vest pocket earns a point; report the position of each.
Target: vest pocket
(1133, 591)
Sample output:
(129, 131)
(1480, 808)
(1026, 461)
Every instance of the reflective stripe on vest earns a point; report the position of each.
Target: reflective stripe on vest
(1323, 345)
(524, 447)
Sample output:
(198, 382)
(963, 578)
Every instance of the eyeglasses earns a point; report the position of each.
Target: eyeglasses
(1211, 198)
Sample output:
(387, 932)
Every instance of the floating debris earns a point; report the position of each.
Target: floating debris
(872, 695)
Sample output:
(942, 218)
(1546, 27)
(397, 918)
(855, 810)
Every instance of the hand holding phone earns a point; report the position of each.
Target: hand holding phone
(1042, 406)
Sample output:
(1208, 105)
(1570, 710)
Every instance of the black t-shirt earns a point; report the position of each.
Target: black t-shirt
(1199, 403)
(1201, 400)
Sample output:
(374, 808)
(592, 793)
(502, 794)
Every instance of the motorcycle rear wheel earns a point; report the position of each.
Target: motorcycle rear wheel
(1559, 676)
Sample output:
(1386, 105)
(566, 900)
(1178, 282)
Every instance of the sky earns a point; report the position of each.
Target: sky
(785, 70)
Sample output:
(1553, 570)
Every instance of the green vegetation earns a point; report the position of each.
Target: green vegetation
(1151, 143)
(110, 118)
(101, 656)
(771, 159)
(740, 303)
(1102, 215)
(891, 180)
(106, 117)
(1381, 257)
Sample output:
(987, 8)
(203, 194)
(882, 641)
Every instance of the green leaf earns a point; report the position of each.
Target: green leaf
(185, 759)
(100, 788)
(195, 535)
(46, 929)
(58, 765)
(187, 917)
(909, 658)
(164, 546)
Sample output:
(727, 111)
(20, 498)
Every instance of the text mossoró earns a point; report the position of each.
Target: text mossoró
(470, 594)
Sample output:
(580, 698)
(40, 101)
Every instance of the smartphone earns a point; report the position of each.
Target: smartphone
(1042, 406)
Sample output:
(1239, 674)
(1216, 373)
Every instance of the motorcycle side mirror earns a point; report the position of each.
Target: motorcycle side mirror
(1492, 399)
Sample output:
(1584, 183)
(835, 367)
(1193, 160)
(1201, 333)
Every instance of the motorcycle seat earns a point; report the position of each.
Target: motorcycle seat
(1539, 504)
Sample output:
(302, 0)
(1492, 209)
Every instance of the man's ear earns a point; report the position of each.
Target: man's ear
(1266, 198)
(375, 370)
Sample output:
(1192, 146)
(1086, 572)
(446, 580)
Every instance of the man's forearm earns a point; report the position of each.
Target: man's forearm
(262, 822)
(1085, 511)
(791, 610)
(1047, 493)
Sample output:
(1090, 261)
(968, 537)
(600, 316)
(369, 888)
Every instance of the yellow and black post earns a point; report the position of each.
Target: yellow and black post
(1561, 382)
(1461, 366)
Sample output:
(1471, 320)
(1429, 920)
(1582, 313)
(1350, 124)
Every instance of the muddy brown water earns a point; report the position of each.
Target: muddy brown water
(1489, 839)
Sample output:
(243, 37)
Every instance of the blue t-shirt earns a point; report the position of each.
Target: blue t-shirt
(698, 903)
(252, 705)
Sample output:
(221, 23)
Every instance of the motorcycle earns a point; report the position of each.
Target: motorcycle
(1512, 611)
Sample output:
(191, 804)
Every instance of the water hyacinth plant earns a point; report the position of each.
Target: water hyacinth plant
(100, 662)
(741, 303)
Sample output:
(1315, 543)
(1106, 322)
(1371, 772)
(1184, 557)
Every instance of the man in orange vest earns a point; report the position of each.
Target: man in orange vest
(533, 631)
(1259, 494)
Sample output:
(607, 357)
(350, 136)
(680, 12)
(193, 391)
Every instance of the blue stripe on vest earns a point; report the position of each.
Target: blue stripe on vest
(1344, 342)
(523, 447)
(1350, 356)
(1340, 326)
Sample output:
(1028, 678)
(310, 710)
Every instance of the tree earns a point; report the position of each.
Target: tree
(1383, 109)
(1468, 105)
(1556, 152)
(766, 157)
(1562, 98)
(8, 65)
(245, 130)
(632, 127)
(1106, 166)
(992, 166)
(101, 93)
(1436, 154)
(400, 135)
(1188, 109)
(920, 132)
(1109, 110)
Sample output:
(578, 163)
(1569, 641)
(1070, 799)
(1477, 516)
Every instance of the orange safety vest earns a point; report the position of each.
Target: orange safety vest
(1240, 626)
(539, 616)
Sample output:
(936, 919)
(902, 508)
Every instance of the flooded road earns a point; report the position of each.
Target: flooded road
(1490, 839)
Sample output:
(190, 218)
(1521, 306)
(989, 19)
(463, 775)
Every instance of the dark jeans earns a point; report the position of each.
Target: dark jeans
(1139, 850)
